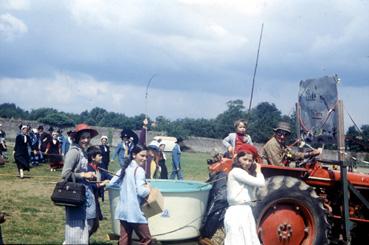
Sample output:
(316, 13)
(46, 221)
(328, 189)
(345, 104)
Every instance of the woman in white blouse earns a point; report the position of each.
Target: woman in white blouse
(244, 177)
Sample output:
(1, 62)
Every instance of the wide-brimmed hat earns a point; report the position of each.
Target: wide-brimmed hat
(82, 127)
(128, 133)
(285, 126)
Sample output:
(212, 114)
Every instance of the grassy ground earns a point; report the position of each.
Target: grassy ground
(34, 219)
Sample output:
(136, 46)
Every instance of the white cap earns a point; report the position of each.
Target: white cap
(23, 127)
(104, 137)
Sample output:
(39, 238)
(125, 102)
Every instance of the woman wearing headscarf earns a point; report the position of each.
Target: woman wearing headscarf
(76, 225)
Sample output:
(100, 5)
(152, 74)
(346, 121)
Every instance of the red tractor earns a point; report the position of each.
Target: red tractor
(310, 204)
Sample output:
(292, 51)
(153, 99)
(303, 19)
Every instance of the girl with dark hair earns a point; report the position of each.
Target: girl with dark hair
(133, 191)
(244, 177)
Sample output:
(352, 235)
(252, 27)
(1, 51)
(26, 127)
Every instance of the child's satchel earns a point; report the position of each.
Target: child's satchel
(69, 193)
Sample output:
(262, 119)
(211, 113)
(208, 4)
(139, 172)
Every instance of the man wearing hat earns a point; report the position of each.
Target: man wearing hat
(124, 148)
(277, 153)
(176, 160)
(105, 152)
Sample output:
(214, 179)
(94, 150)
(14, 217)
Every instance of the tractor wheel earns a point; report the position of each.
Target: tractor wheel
(290, 212)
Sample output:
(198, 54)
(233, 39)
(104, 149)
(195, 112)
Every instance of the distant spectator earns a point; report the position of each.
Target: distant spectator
(176, 160)
(152, 168)
(21, 156)
(124, 148)
(66, 143)
(35, 150)
(2, 132)
(53, 152)
(162, 160)
(45, 138)
(3, 147)
(105, 152)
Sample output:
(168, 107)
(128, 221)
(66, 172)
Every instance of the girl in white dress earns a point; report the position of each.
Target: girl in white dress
(244, 177)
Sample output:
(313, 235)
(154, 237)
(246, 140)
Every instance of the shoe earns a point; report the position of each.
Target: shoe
(21, 173)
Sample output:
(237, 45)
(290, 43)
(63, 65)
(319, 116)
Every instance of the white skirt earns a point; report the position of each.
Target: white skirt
(239, 225)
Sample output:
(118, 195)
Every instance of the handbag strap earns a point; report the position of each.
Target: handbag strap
(71, 174)
(134, 175)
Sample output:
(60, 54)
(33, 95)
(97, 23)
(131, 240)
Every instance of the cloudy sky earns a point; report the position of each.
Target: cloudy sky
(74, 55)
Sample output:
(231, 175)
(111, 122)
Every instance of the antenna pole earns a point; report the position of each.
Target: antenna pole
(256, 67)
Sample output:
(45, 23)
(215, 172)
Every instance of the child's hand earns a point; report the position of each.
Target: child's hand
(105, 182)
(88, 175)
(145, 122)
(147, 186)
(258, 168)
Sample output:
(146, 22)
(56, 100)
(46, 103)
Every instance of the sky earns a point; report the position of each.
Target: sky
(74, 55)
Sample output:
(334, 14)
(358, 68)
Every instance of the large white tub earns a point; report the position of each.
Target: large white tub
(184, 206)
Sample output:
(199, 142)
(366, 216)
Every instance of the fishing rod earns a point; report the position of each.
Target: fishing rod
(107, 171)
(255, 69)
(146, 102)
(147, 93)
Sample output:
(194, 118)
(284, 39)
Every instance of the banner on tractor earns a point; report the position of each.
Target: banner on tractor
(318, 119)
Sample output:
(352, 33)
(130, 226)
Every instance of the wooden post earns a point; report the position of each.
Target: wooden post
(340, 131)
(298, 120)
(343, 168)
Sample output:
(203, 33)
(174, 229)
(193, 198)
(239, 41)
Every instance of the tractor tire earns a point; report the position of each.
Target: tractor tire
(289, 212)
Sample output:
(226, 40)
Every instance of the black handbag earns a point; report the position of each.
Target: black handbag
(69, 193)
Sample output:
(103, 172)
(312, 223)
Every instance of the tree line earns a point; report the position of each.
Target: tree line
(261, 121)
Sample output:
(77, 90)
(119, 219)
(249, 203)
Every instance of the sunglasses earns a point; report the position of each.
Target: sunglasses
(283, 133)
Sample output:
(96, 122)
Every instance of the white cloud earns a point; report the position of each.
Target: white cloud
(11, 27)
(76, 94)
(15, 4)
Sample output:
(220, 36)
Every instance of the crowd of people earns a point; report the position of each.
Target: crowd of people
(89, 166)
(139, 161)
(35, 146)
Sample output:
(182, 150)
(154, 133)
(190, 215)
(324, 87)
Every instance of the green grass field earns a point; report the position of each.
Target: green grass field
(34, 219)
